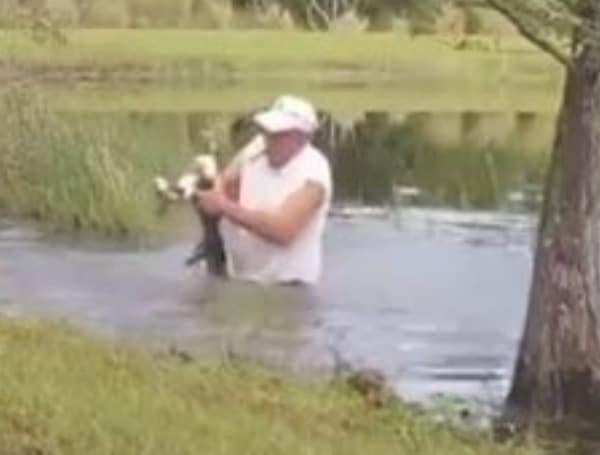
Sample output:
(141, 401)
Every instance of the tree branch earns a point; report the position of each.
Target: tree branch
(563, 15)
(314, 5)
(535, 38)
(310, 18)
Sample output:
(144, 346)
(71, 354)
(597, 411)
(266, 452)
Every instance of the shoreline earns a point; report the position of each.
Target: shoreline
(68, 392)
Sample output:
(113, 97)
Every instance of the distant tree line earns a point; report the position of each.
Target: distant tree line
(410, 16)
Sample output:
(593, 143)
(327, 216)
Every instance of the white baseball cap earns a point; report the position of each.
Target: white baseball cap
(288, 113)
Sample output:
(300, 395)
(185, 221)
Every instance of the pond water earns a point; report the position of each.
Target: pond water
(427, 257)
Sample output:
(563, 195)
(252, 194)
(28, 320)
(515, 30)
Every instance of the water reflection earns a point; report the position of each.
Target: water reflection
(467, 161)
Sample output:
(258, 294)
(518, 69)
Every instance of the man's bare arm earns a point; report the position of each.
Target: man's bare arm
(282, 225)
(228, 182)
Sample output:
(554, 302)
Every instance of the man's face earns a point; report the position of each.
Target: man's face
(281, 147)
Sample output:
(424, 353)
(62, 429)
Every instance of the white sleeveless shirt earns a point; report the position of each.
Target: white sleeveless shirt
(263, 187)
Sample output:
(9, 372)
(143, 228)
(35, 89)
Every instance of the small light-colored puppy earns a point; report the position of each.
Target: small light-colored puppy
(200, 176)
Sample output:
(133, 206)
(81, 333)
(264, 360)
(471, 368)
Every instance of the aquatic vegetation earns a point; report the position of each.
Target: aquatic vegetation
(76, 173)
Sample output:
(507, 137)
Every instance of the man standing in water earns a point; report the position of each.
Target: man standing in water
(273, 198)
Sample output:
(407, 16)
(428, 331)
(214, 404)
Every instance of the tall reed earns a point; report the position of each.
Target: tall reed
(89, 174)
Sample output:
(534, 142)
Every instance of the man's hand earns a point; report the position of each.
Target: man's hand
(211, 202)
(229, 185)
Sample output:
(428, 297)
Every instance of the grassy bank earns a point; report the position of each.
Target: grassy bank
(345, 101)
(253, 54)
(65, 393)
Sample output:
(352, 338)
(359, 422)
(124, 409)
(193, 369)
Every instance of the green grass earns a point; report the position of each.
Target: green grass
(343, 73)
(67, 393)
(79, 173)
(345, 101)
(292, 54)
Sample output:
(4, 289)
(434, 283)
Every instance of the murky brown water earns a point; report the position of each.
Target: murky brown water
(434, 300)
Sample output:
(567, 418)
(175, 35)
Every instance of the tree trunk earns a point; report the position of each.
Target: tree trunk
(557, 373)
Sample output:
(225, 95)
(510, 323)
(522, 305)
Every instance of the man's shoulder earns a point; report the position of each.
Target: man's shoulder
(315, 157)
(253, 149)
(316, 167)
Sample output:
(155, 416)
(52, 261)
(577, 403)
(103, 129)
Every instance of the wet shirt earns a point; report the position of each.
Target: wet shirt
(263, 187)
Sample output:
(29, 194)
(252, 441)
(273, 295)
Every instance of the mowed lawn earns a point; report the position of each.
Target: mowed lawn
(286, 52)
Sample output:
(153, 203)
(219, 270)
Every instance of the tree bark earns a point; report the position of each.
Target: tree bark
(557, 373)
